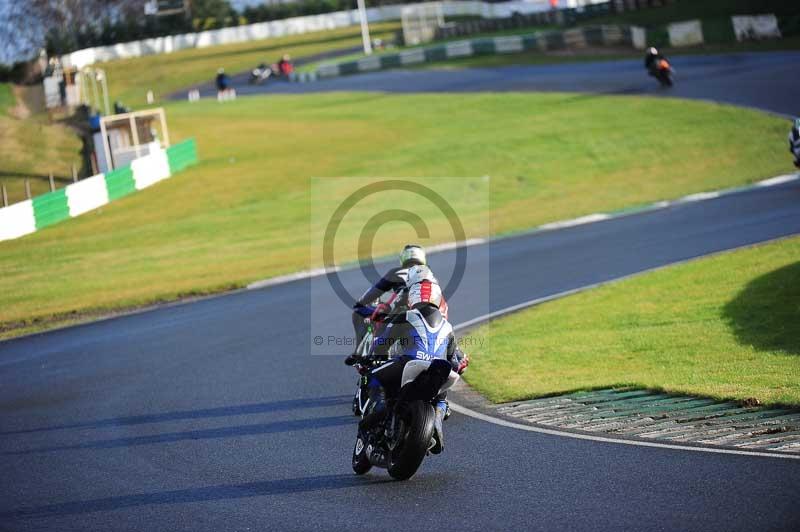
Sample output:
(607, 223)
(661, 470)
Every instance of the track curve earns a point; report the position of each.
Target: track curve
(212, 416)
(763, 80)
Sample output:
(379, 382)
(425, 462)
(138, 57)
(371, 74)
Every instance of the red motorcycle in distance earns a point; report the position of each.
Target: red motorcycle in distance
(663, 72)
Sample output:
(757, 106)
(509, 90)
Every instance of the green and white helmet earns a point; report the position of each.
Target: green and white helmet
(412, 255)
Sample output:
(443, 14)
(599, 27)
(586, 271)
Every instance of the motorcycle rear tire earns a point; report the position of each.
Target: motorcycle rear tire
(406, 458)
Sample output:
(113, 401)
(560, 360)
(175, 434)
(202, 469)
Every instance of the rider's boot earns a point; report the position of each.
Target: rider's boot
(438, 431)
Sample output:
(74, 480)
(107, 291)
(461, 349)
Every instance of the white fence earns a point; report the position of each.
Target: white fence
(292, 26)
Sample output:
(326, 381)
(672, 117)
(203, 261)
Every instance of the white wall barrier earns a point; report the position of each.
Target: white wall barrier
(87, 195)
(756, 27)
(687, 33)
(639, 37)
(150, 169)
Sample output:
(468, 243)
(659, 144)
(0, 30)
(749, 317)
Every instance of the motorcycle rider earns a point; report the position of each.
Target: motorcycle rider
(420, 333)
(394, 280)
(794, 142)
(651, 59)
(285, 66)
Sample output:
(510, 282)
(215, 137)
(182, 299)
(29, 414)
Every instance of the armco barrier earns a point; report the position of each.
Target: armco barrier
(549, 40)
(29, 216)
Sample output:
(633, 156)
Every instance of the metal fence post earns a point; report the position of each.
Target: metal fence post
(28, 188)
(52, 183)
(5, 195)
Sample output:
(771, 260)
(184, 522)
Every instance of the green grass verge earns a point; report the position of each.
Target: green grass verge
(7, 99)
(243, 213)
(130, 79)
(726, 326)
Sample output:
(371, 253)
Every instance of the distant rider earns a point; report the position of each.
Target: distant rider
(651, 60)
(285, 66)
(222, 80)
(421, 333)
(393, 280)
(794, 142)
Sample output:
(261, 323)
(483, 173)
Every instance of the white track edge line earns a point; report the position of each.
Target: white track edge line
(639, 443)
(558, 295)
(539, 300)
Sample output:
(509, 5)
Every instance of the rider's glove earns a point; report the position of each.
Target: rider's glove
(363, 310)
(463, 363)
(381, 311)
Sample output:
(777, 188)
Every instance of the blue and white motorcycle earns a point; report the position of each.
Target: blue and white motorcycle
(402, 440)
(367, 359)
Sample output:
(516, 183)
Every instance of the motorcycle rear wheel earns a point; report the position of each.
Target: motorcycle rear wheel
(404, 460)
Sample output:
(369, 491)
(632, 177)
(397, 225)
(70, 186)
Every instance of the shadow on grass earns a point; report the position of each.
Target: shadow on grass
(766, 314)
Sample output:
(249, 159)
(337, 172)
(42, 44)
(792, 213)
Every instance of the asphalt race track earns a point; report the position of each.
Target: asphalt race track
(213, 415)
(764, 80)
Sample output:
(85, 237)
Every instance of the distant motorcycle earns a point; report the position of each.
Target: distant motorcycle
(663, 72)
(260, 74)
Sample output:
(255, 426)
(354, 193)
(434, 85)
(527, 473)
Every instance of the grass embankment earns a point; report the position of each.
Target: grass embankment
(31, 148)
(243, 213)
(726, 326)
(130, 79)
(7, 99)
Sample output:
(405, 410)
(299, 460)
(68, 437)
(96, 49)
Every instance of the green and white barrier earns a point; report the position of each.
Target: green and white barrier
(88, 194)
(551, 40)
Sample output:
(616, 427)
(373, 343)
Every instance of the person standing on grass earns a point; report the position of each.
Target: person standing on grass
(794, 142)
